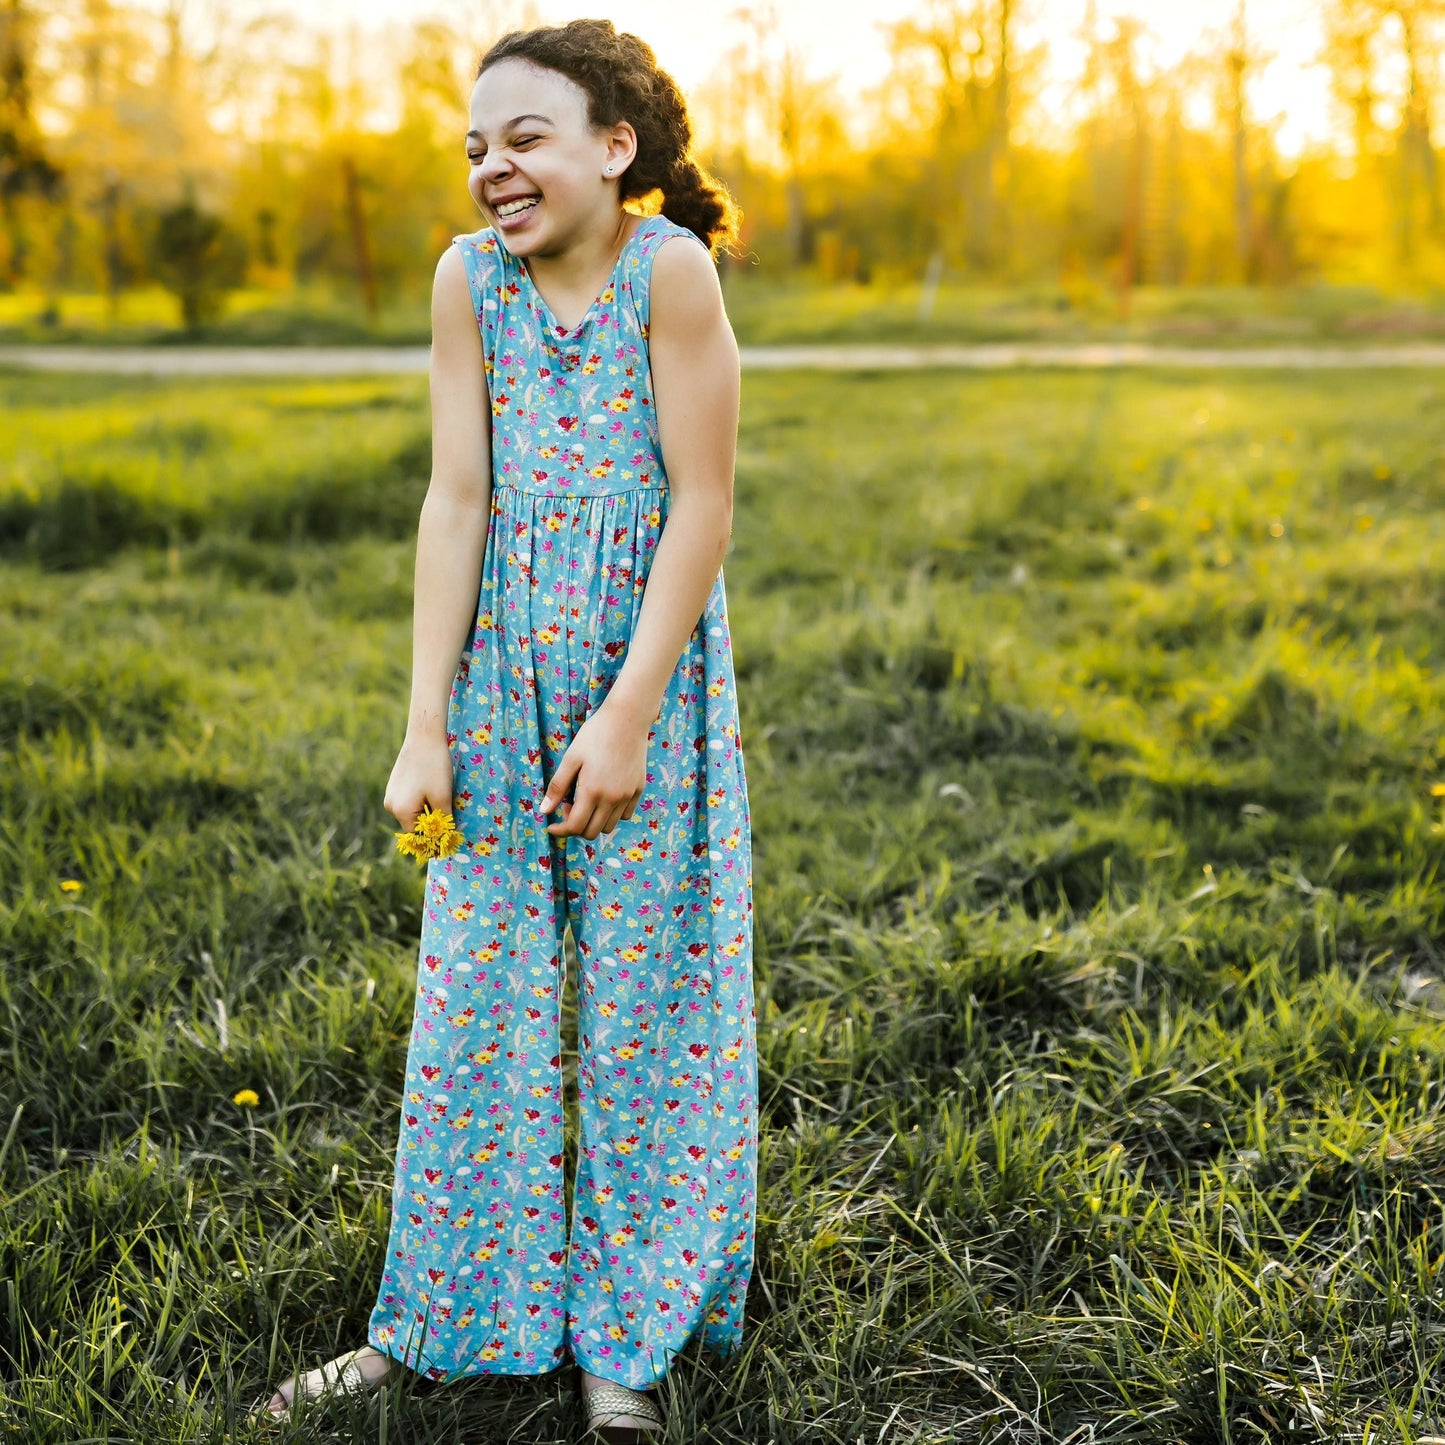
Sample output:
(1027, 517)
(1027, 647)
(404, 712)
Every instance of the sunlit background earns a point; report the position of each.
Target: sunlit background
(848, 42)
(1085, 586)
(227, 150)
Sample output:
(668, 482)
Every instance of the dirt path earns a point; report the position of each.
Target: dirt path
(352, 360)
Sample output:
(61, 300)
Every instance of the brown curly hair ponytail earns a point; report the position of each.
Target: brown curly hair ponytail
(622, 80)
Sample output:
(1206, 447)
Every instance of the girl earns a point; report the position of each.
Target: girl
(585, 388)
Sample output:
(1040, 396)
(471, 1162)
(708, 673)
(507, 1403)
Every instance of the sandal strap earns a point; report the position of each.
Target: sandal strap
(341, 1373)
(607, 1400)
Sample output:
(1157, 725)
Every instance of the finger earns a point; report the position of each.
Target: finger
(594, 829)
(560, 781)
(581, 820)
(614, 816)
(631, 807)
(567, 828)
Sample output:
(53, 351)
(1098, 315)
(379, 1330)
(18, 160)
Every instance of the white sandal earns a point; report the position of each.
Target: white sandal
(343, 1375)
(607, 1402)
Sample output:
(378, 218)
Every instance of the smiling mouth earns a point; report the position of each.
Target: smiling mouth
(515, 208)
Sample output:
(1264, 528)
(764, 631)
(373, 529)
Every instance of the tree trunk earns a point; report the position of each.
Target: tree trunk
(1002, 133)
(360, 241)
(1238, 62)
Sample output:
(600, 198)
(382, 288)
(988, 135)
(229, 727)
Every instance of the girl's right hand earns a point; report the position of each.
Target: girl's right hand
(421, 777)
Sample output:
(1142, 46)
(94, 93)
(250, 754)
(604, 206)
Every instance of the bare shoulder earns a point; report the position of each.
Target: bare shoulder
(454, 322)
(450, 289)
(686, 294)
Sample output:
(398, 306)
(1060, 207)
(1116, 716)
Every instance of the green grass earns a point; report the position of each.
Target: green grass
(1091, 723)
(769, 310)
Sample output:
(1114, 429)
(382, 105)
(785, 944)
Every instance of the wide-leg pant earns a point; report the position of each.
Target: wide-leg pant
(483, 1274)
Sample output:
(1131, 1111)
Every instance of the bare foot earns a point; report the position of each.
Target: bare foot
(370, 1365)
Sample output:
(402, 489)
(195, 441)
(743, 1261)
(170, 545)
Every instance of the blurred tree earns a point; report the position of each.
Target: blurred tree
(1351, 31)
(1106, 214)
(360, 237)
(966, 49)
(25, 165)
(197, 257)
(1227, 65)
(1369, 43)
(779, 117)
(135, 129)
(1240, 62)
(1419, 208)
(339, 154)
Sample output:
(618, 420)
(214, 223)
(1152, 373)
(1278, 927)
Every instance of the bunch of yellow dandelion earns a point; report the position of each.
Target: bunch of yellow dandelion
(246, 1098)
(433, 835)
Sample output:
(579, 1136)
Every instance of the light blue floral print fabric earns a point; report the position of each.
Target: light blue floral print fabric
(483, 1274)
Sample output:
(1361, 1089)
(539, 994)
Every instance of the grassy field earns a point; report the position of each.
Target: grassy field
(768, 310)
(1093, 733)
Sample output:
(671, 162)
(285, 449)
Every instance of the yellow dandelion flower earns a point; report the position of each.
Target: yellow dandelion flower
(246, 1098)
(433, 835)
(71, 885)
(1437, 790)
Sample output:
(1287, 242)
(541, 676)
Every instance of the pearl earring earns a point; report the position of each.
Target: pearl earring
(609, 170)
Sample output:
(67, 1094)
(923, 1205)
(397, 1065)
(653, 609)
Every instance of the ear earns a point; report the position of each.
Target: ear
(621, 149)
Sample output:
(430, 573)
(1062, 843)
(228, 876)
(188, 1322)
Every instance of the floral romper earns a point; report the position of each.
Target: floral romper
(482, 1273)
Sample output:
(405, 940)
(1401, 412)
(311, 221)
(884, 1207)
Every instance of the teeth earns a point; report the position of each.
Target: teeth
(512, 207)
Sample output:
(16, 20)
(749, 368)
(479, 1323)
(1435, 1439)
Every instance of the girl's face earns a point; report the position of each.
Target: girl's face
(538, 170)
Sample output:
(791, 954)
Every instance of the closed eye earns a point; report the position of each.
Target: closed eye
(477, 157)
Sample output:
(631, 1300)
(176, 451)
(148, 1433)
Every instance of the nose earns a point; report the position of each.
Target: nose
(494, 166)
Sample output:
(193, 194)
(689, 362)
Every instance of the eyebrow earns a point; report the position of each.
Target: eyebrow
(515, 120)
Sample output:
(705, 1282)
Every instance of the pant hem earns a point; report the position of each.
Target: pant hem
(470, 1371)
(622, 1377)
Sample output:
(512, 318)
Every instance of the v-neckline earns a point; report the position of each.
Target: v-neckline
(554, 328)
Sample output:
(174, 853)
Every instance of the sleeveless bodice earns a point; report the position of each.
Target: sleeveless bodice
(572, 409)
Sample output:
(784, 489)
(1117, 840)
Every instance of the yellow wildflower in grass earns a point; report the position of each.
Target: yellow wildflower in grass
(1437, 790)
(433, 835)
(247, 1098)
(70, 885)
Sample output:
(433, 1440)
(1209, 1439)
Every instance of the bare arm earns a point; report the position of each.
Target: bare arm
(696, 389)
(451, 536)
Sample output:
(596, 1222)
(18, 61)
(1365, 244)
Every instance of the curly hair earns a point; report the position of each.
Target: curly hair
(622, 80)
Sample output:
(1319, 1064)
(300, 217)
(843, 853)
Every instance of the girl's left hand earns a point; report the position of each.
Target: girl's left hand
(608, 758)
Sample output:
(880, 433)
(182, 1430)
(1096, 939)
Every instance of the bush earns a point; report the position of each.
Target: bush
(197, 257)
